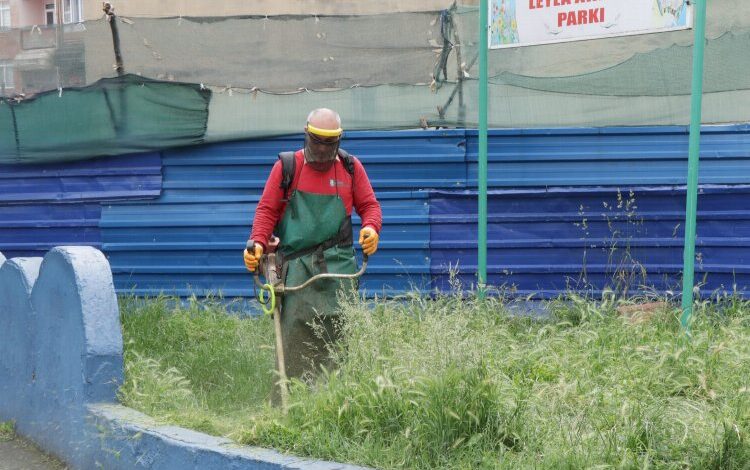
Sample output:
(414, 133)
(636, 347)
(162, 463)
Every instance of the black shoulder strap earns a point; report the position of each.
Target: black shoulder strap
(288, 167)
(347, 160)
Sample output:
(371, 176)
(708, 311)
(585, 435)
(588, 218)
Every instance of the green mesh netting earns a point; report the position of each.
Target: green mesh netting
(391, 71)
(662, 72)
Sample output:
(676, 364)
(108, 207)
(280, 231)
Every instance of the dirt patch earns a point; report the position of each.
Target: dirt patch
(641, 312)
(19, 454)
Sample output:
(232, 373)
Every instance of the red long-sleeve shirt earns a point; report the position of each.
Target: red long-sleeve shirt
(355, 192)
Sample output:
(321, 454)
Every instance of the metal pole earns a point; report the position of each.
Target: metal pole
(688, 272)
(59, 34)
(109, 11)
(482, 255)
(121, 124)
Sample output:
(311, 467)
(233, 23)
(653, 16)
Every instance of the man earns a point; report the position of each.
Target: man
(307, 202)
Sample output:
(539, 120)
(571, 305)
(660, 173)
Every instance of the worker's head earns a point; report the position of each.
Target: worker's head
(322, 138)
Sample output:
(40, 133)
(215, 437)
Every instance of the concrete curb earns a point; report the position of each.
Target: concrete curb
(61, 365)
(134, 440)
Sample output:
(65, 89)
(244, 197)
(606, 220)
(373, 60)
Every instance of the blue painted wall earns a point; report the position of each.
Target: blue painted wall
(60, 348)
(187, 240)
(42, 206)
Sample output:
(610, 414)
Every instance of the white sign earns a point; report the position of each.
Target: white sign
(515, 23)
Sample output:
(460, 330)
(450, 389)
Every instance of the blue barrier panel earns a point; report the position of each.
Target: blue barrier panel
(183, 242)
(42, 206)
(110, 178)
(551, 241)
(189, 241)
(396, 160)
(33, 229)
(211, 193)
(609, 156)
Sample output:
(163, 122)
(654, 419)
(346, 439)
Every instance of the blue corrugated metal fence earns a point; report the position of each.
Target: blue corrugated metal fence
(42, 206)
(609, 156)
(547, 241)
(549, 227)
(190, 239)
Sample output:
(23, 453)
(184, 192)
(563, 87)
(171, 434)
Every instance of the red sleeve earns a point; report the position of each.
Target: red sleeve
(365, 203)
(270, 207)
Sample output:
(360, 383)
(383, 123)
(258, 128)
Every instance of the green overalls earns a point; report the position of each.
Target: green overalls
(316, 237)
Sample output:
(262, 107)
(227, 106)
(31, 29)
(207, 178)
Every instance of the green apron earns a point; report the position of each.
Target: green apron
(316, 237)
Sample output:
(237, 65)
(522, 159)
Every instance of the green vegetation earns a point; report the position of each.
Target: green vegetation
(195, 365)
(452, 382)
(7, 431)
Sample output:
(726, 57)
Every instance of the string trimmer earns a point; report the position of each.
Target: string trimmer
(270, 298)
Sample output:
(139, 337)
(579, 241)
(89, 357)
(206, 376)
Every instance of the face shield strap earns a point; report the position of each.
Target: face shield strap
(324, 132)
(317, 140)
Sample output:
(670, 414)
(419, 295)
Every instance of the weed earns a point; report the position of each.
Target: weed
(193, 363)
(7, 431)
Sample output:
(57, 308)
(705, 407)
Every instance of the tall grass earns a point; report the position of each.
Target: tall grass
(195, 365)
(453, 382)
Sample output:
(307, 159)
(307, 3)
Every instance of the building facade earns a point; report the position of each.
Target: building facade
(42, 45)
(26, 13)
(34, 48)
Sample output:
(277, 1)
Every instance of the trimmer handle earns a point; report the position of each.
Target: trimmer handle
(250, 248)
(281, 288)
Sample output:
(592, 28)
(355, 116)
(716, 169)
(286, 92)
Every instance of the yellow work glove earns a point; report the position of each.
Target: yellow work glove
(252, 259)
(368, 239)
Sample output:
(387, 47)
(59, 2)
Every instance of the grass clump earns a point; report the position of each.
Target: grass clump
(453, 382)
(457, 383)
(194, 364)
(7, 431)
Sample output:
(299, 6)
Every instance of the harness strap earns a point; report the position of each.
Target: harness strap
(348, 161)
(289, 167)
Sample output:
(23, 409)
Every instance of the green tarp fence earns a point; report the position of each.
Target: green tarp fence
(114, 116)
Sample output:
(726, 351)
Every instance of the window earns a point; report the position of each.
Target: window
(67, 12)
(49, 12)
(72, 11)
(6, 77)
(4, 14)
